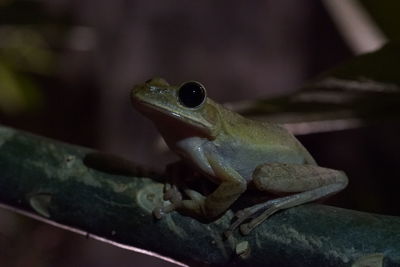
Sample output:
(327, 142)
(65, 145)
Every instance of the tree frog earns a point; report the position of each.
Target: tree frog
(233, 152)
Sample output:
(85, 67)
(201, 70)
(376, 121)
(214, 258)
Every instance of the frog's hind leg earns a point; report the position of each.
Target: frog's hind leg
(306, 182)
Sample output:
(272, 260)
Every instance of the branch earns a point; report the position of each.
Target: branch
(111, 199)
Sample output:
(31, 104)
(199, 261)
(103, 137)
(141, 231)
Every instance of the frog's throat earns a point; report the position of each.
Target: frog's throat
(203, 126)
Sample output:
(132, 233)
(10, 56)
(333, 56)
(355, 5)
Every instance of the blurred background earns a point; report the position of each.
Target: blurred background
(67, 68)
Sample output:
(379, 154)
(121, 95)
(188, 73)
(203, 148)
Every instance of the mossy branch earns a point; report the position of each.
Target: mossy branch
(111, 198)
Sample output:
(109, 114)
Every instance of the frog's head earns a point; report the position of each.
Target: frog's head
(183, 109)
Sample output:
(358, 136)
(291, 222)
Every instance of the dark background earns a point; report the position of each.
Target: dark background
(75, 62)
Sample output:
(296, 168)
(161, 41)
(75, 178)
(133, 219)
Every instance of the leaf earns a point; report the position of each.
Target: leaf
(385, 14)
(363, 90)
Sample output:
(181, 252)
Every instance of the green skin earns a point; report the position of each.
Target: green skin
(233, 152)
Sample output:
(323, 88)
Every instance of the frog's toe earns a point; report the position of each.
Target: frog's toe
(243, 214)
(227, 234)
(167, 187)
(173, 195)
(158, 212)
(245, 229)
(240, 214)
(168, 195)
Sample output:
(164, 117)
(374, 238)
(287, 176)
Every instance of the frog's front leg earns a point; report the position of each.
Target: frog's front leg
(178, 175)
(305, 182)
(231, 186)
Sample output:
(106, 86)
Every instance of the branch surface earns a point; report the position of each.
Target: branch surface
(111, 198)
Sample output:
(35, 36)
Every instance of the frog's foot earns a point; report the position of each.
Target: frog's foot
(244, 215)
(246, 228)
(161, 210)
(172, 194)
(256, 214)
(158, 212)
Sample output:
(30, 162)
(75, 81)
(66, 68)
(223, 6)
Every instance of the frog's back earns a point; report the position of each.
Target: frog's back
(269, 140)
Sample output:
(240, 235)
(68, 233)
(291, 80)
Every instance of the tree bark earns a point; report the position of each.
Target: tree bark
(111, 199)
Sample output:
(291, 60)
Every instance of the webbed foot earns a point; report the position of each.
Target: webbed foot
(172, 194)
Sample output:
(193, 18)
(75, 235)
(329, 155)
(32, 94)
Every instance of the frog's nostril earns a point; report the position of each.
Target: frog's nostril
(135, 90)
(157, 82)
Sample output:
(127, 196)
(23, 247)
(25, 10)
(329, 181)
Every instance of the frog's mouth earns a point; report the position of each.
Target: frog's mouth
(160, 114)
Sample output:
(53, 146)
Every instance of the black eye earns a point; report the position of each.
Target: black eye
(191, 94)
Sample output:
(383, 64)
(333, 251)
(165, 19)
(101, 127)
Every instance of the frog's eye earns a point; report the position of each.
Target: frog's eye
(191, 94)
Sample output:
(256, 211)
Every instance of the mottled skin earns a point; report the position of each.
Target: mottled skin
(233, 152)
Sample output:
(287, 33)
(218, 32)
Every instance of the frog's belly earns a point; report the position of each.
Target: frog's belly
(244, 161)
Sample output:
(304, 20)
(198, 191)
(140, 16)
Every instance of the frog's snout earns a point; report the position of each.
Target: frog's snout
(136, 89)
(136, 94)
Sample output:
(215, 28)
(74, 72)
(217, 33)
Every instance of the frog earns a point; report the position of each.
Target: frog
(233, 152)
